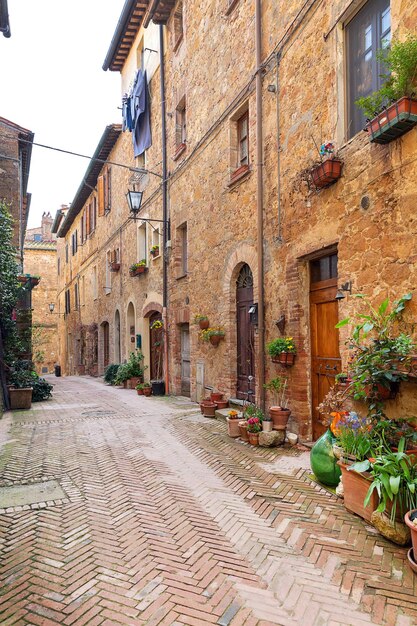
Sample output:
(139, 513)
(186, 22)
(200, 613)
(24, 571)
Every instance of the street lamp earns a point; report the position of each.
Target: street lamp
(134, 200)
(51, 307)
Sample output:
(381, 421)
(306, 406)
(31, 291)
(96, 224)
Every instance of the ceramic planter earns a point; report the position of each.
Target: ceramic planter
(267, 426)
(355, 488)
(253, 438)
(147, 391)
(323, 461)
(413, 529)
(326, 173)
(396, 120)
(20, 398)
(215, 339)
(285, 358)
(209, 409)
(132, 382)
(216, 397)
(243, 430)
(139, 392)
(279, 417)
(204, 324)
(233, 429)
(222, 404)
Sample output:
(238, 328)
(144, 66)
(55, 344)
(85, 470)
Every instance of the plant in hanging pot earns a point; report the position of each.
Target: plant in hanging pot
(254, 428)
(328, 170)
(282, 350)
(138, 268)
(213, 335)
(154, 250)
(202, 321)
(392, 110)
(278, 411)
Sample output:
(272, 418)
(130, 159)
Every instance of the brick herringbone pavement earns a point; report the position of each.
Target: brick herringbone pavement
(167, 521)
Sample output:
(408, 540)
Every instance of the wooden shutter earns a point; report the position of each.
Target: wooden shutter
(100, 191)
(87, 221)
(108, 205)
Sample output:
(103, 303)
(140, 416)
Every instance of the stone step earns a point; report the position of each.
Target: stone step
(221, 414)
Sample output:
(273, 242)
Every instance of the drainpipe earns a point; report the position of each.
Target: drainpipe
(259, 203)
(165, 230)
(279, 233)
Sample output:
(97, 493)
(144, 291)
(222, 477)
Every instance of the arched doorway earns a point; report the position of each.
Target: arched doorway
(130, 329)
(156, 351)
(117, 343)
(245, 333)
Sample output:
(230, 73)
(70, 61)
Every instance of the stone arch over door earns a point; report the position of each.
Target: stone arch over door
(130, 328)
(242, 254)
(117, 338)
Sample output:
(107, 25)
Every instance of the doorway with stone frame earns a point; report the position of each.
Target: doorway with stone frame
(245, 334)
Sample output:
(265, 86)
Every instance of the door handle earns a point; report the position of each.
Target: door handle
(328, 367)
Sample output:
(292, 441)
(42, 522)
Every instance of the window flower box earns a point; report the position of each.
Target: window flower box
(138, 268)
(395, 121)
(326, 173)
(154, 251)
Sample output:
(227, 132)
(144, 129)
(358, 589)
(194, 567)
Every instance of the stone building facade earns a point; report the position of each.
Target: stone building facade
(247, 231)
(40, 258)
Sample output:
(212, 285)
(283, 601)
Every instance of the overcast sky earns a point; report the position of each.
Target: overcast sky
(52, 84)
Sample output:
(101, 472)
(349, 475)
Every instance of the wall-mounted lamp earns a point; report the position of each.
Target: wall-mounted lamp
(345, 287)
(272, 88)
(134, 200)
(253, 314)
(51, 306)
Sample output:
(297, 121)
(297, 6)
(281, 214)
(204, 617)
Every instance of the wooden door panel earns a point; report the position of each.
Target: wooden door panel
(185, 361)
(325, 356)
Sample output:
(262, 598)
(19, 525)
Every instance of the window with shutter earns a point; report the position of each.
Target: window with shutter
(100, 193)
(87, 221)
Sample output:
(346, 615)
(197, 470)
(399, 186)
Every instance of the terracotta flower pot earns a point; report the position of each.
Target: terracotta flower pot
(267, 426)
(147, 391)
(285, 358)
(394, 121)
(204, 324)
(243, 430)
(253, 438)
(233, 427)
(279, 417)
(380, 392)
(355, 488)
(209, 409)
(215, 339)
(132, 382)
(326, 173)
(413, 529)
(222, 404)
(216, 396)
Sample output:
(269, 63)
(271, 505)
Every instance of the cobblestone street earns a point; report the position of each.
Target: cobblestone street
(155, 516)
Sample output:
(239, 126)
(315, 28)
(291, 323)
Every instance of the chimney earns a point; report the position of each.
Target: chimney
(46, 227)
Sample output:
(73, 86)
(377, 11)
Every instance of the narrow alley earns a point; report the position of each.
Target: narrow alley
(121, 509)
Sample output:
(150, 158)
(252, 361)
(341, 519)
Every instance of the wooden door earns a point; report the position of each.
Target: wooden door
(156, 348)
(106, 344)
(185, 360)
(245, 334)
(324, 315)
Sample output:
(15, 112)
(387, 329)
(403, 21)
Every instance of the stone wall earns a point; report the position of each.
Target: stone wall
(40, 260)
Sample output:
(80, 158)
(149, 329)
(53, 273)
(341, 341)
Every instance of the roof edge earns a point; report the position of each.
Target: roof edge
(124, 19)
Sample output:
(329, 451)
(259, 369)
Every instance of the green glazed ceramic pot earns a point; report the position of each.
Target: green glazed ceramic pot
(323, 461)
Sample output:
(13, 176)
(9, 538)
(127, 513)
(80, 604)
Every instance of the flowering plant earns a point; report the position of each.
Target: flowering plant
(254, 425)
(155, 249)
(199, 318)
(353, 434)
(156, 324)
(233, 415)
(327, 149)
(212, 332)
(136, 266)
(281, 344)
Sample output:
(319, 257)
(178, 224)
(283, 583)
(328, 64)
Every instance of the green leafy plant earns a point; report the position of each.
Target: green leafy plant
(110, 373)
(394, 478)
(155, 250)
(254, 425)
(146, 385)
(140, 386)
(199, 318)
(132, 369)
(280, 345)
(354, 434)
(378, 348)
(41, 390)
(277, 388)
(136, 266)
(400, 59)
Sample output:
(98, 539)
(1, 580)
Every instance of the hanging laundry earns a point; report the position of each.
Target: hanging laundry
(127, 113)
(142, 138)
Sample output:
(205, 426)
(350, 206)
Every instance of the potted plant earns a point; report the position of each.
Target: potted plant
(267, 424)
(378, 347)
(254, 428)
(114, 266)
(158, 383)
(243, 430)
(154, 250)
(139, 389)
(147, 389)
(282, 350)
(392, 110)
(278, 411)
(21, 380)
(394, 479)
(202, 321)
(135, 369)
(233, 424)
(213, 335)
(138, 268)
(209, 408)
(328, 170)
(354, 436)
